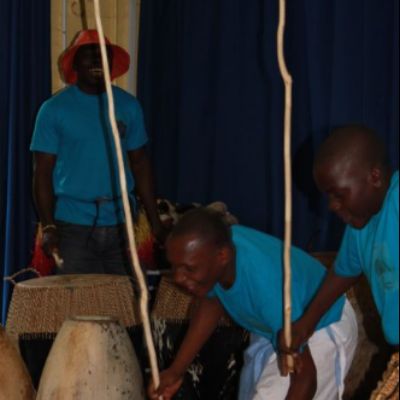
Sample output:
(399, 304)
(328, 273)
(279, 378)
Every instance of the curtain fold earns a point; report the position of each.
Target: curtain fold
(213, 100)
(25, 84)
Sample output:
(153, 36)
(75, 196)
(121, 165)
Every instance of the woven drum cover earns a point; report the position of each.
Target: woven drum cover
(388, 388)
(173, 304)
(39, 306)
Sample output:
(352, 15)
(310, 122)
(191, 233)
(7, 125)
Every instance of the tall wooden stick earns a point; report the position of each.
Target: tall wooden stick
(287, 79)
(144, 295)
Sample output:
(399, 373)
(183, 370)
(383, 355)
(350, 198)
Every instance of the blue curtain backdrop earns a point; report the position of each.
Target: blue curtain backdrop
(213, 99)
(25, 83)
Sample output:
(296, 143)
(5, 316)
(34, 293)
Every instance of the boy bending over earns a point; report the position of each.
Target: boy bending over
(239, 270)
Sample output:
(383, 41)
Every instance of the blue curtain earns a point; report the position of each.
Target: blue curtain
(25, 83)
(213, 99)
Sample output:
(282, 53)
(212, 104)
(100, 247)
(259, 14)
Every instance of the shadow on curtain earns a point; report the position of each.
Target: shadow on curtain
(25, 83)
(213, 100)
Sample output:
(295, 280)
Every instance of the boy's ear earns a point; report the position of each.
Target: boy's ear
(224, 255)
(375, 177)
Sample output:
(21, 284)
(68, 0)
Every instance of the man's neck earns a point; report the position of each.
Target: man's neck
(92, 90)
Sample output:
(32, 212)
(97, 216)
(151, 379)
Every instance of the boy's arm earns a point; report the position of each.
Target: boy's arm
(43, 194)
(202, 325)
(303, 383)
(332, 288)
(142, 171)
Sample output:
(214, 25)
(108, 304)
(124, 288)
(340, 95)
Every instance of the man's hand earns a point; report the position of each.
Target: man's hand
(170, 382)
(50, 241)
(301, 332)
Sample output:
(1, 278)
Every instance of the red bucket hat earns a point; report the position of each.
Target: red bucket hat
(120, 62)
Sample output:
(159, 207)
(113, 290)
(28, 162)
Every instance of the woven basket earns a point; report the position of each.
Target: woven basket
(39, 306)
(388, 387)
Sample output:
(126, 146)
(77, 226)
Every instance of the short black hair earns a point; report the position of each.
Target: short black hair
(363, 142)
(207, 224)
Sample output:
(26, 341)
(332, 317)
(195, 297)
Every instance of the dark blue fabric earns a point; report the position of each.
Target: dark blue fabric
(25, 83)
(213, 100)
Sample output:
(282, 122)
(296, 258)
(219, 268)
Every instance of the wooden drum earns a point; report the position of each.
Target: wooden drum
(215, 372)
(92, 358)
(39, 307)
(15, 382)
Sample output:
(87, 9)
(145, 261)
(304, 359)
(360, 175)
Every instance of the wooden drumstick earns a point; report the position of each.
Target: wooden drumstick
(59, 261)
(287, 79)
(144, 294)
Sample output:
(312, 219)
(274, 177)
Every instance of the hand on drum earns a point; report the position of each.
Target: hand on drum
(170, 382)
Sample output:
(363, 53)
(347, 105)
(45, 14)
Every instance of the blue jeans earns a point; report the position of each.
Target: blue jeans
(93, 250)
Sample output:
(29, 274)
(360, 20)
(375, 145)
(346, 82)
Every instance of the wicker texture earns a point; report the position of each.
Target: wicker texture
(388, 388)
(172, 304)
(39, 306)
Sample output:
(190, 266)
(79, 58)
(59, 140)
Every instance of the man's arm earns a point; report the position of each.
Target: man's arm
(142, 171)
(332, 288)
(43, 194)
(202, 325)
(303, 383)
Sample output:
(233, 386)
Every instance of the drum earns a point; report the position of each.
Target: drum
(92, 358)
(39, 307)
(214, 374)
(15, 382)
(388, 387)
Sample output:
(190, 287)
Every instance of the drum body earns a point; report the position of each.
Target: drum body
(39, 307)
(15, 382)
(92, 358)
(214, 374)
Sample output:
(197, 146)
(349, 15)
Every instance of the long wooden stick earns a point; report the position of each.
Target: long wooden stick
(287, 79)
(144, 295)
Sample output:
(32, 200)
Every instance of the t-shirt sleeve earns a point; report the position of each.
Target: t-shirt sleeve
(45, 137)
(137, 136)
(348, 263)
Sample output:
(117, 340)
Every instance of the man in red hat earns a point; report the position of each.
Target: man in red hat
(76, 185)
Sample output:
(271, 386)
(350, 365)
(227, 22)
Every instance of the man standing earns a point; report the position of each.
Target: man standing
(75, 183)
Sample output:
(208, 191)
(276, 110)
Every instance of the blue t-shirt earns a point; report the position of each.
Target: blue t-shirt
(75, 126)
(255, 301)
(374, 251)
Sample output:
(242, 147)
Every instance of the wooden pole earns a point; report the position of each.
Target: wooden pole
(287, 79)
(144, 295)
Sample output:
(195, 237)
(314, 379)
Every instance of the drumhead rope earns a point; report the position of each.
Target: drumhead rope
(125, 200)
(39, 306)
(174, 305)
(287, 79)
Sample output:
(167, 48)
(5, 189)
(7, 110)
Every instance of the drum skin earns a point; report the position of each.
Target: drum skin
(92, 358)
(15, 382)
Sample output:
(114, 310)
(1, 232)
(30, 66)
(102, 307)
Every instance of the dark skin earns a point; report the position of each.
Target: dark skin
(197, 266)
(90, 79)
(356, 189)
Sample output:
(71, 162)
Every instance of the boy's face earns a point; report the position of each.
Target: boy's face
(197, 266)
(351, 191)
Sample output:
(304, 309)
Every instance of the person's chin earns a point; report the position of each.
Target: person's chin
(357, 223)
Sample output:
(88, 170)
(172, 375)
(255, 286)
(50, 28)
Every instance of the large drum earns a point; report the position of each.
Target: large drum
(39, 307)
(214, 374)
(92, 358)
(15, 382)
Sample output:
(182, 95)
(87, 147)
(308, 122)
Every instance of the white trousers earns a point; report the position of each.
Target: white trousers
(332, 349)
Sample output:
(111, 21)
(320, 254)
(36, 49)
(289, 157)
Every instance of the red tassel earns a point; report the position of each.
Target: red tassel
(40, 261)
